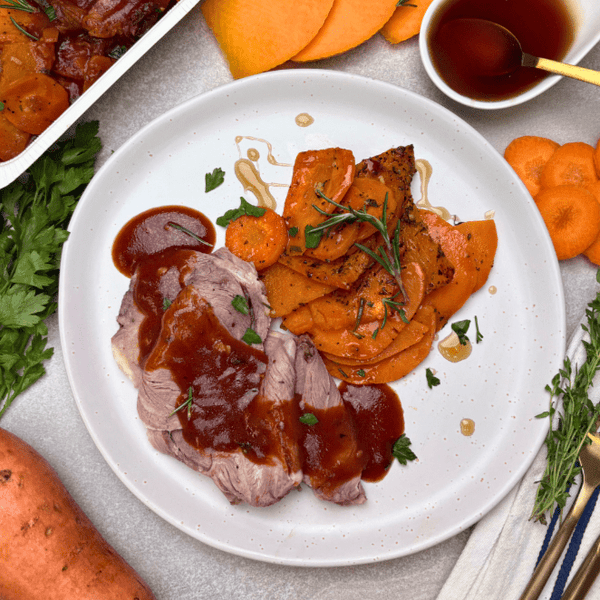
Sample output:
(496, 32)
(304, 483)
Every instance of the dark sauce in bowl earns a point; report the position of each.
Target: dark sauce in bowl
(543, 27)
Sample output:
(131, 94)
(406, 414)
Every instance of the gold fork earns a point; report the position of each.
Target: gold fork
(589, 458)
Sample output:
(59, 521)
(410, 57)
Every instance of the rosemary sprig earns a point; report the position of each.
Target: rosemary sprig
(24, 31)
(18, 5)
(388, 257)
(188, 232)
(187, 404)
(578, 417)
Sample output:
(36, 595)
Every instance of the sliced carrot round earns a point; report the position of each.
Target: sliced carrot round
(572, 216)
(406, 21)
(259, 240)
(32, 103)
(12, 140)
(527, 155)
(597, 158)
(571, 164)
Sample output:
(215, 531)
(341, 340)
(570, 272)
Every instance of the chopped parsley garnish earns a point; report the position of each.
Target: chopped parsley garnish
(251, 337)
(245, 208)
(293, 231)
(309, 419)
(117, 52)
(401, 450)
(432, 380)
(241, 305)
(361, 373)
(166, 303)
(214, 180)
(478, 335)
(461, 328)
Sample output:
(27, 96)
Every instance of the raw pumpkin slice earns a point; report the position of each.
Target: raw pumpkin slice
(406, 21)
(350, 23)
(258, 36)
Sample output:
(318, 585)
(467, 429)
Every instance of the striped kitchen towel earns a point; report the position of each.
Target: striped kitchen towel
(504, 547)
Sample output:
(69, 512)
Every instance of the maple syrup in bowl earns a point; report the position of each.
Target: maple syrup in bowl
(544, 28)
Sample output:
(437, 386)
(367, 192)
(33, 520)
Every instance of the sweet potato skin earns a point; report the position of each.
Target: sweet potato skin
(48, 547)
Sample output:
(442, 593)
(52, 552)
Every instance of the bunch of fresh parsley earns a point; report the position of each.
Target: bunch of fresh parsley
(34, 214)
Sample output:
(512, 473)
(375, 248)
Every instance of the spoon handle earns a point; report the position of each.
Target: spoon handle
(587, 75)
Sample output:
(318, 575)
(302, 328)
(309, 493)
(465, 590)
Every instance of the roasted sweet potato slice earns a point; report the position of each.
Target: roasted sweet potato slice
(409, 336)
(24, 58)
(287, 290)
(450, 298)
(361, 342)
(482, 242)
(395, 367)
(330, 171)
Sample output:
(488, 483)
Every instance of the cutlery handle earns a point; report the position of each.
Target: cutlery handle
(557, 545)
(552, 66)
(585, 576)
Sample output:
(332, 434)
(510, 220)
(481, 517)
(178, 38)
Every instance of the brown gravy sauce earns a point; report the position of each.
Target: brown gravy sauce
(219, 406)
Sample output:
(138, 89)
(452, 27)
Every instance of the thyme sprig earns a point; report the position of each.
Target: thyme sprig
(18, 5)
(389, 256)
(577, 417)
(188, 232)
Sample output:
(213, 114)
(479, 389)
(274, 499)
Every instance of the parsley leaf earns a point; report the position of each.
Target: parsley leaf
(401, 450)
(312, 236)
(293, 231)
(214, 180)
(478, 334)
(432, 380)
(461, 328)
(34, 215)
(245, 208)
(251, 337)
(309, 419)
(241, 305)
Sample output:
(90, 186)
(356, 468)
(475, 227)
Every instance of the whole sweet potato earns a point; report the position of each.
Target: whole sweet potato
(48, 547)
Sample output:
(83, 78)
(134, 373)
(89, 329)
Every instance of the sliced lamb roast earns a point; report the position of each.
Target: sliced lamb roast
(333, 462)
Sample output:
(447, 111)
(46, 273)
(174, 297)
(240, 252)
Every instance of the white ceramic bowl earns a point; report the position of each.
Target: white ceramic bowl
(586, 18)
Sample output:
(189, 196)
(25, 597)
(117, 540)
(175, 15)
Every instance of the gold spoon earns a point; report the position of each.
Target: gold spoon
(493, 50)
(589, 457)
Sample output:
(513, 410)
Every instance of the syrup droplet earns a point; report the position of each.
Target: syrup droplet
(489, 214)
(492, 289)
(467, 427)
(253, 154)
(251, 180)
(304, 120)
(451, 348)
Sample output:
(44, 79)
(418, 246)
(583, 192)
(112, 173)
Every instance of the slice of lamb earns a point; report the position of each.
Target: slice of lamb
(220, 276)
(332, 463)
(259, 483)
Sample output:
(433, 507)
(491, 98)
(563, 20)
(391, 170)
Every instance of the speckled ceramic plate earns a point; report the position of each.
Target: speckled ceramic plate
(457, 479)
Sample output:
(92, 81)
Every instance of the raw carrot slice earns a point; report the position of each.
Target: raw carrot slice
(592, 253)
(571, 164)
(259, 240)
(34, 102)
(395, 367)
(287, 290)
(258, 36)
(527, 155)
(450, 298)
(349, 24)
(406, 21)
(572, 216)
(482, 242)
(12, 140)
(594, 188)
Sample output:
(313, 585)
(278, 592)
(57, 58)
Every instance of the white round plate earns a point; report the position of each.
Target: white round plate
(457, 479)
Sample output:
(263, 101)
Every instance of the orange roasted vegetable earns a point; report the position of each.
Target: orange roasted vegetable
(450, 298)
(33, 102)
(259, 240)
(12, 140)
(287, 289)
(50, 550)
(330, 172)
(482, 242)
(396, 366)
(20, 59)
(405, 23)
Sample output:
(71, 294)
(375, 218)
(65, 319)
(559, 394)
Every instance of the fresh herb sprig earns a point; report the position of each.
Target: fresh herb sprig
(190, 233)
(401, 450)
(18, 5)
(34, 214)
(577, 417)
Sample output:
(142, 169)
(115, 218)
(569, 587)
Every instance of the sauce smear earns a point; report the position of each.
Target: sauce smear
(543, 27)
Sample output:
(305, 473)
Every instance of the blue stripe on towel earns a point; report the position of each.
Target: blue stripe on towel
(573, 548)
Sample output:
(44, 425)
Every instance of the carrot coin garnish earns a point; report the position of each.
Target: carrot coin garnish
(572, 216)
(571, 164)
(259, 240)
(527, 155)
